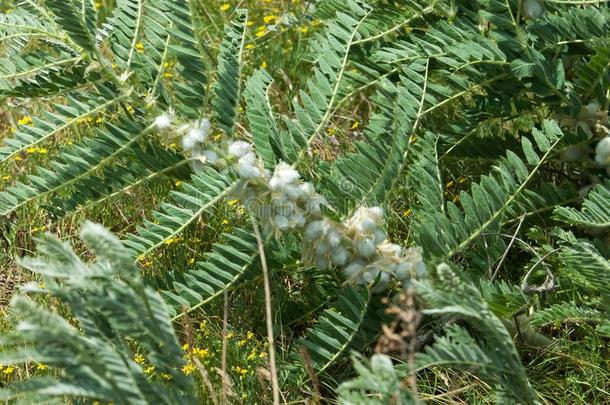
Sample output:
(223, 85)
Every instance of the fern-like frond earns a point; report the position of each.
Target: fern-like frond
(207, 188)
(491, 355)
(583, 263)
(325, 87)
(220, 270)
(227, 89)
(426, 176)
(75, 164)
(595, 212)
(335, 330)
(185, 47)
(263, 125)
(565, 312)
(113, 308)
(483, 208)
(77, 18)
(78, 107)
(366, 177)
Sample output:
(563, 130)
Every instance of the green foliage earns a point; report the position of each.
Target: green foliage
(471, 124)
(114, 315)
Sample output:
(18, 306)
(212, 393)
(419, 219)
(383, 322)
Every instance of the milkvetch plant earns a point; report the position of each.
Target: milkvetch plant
(343, 154)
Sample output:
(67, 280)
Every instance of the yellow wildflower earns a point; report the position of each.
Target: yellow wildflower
(203, 325)
(149, 370)
(303, 29)
(25, 120)
(262, 355)
(98, 5)
(29, 151)
(139, 359)
(8, 370)
(99, 120)
(230, 335)
(331, 130)
(260, 31)
(41, 367)
(188, 368)
(42, 151)
(18, 158)
(185, 347)
(166, 376)
(6, 178)
(250, 335)
(191, 260)
(225, 7)
(177, 183)
(270, 18)
(252, 355)
(355, 125)
(407, 212)
(199, 352)
(449, 184)
(240, 370)
(264, 65)
(139, 47)
(250, 46)
(225, 221)
(242, 342)
(233, 202)
(250, 23)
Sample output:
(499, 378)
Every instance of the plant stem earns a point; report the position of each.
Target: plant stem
(268, 313)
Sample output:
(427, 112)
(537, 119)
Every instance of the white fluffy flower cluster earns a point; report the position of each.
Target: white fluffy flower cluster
(533, 9)
(193, 142)
(248, 165)
(359, 245)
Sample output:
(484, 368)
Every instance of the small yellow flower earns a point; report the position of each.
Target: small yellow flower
(98, 5)
(262, 355)
(264, 65)
(230, 335)
(18, 158)
(114, 66)
(250, 23)
(449, 184)
(199, 352)
(42, 151)
(188, 368)
(303, 29)
(270, 18)
(203, 325)
(225, 7)
(250, 46)
(25, 120)
(139, 359)
(242, 343)
(139, 47)
(166, 376)
(240, 370)
(331, 130)
(225, 221)
(355, 125)
(31, 150)
(149, 370)
(262, 30)
(168, 75)
(191, 260)
(252, 355)
(130, 109)
(9, 370)
(185, 347)
(232, 203)
(250, 335)
(6, 178)
(177, 183)
(41, 367)
(99, 120)
(407, 212)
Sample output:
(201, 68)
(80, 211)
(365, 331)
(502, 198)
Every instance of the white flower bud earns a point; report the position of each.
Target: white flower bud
(210, 156)
(240, 148)
(602, 152)
(247, 167)
(284, 174)
(532, 9)
(353, 271)
(382, 364)
(339, 256)
(366, 248)
(281, 222)
(163, 121)
(314, 230)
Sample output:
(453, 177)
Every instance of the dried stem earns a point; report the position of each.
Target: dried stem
(268, 312)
